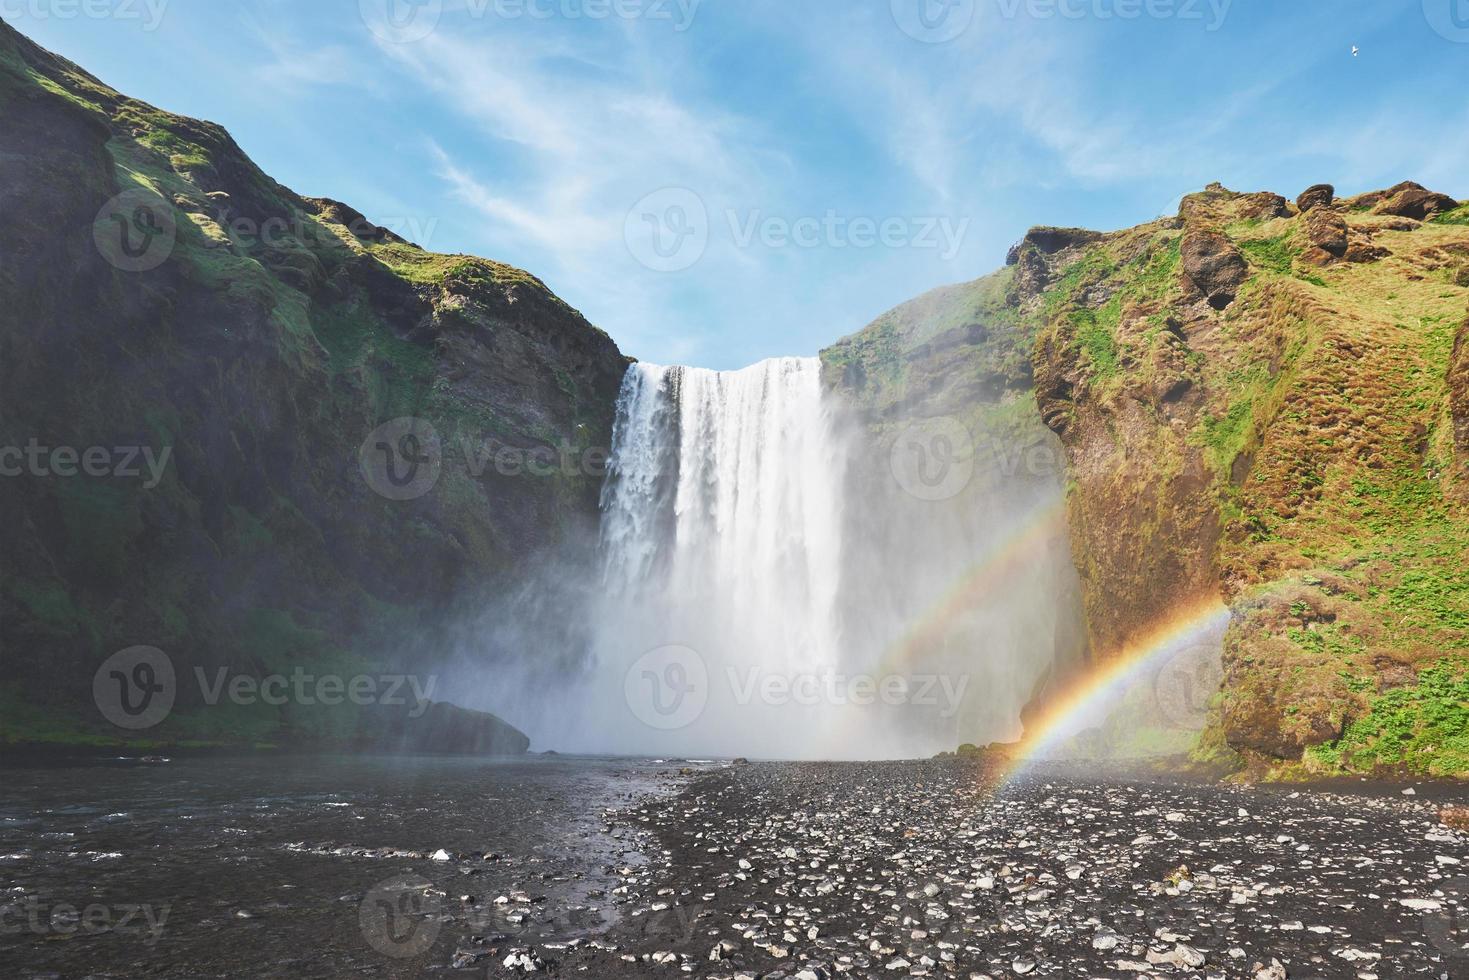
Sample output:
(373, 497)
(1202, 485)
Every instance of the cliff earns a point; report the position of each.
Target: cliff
(194, 365)
(1262, 401)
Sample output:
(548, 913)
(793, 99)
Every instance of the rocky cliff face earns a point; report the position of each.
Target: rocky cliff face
(193, 364)
(1259, 401)
(1266, 401)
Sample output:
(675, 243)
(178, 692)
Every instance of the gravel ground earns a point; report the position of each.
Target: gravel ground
(808, 871)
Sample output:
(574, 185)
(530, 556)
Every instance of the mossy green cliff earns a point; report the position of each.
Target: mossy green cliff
(259, 348)
(1268, 402)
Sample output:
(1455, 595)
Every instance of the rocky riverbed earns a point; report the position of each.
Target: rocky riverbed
(808, 871)
(776, 871)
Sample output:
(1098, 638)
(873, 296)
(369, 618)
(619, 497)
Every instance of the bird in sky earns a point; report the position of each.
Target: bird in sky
(1355, 49)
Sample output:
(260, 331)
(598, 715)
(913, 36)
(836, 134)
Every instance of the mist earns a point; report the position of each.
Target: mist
(777, 576)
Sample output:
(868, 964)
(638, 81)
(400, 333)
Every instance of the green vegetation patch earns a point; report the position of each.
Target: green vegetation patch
(1272, 254)
(1458, 216)
(1419, 729)
(1096, 332)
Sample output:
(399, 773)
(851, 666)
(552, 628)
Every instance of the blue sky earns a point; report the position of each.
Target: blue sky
(805, 164)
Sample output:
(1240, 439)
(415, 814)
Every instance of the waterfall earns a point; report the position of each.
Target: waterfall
(723, 504)
(771, 584)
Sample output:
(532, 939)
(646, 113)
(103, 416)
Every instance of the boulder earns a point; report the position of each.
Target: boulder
(1213, 266)
(1316, 196)
(1263, 205)
(1326, 231)
(1416, 202)
(1371, 199)
(439, 728)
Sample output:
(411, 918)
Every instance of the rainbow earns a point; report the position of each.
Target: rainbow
(1085, 701)
(1003, 556)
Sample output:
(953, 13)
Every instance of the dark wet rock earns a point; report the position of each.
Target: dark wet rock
(442, 728)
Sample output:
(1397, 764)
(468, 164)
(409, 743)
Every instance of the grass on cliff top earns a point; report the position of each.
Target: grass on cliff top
(1142, 282)
(432, 268)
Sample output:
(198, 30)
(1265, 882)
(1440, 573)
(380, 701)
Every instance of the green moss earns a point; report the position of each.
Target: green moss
(397, 375)
(1272, 254)
(182, 154)
(24, 721)
(1096, 332)
(1089, 270)
(273, 638)
(1160, 269)
(1226, 436)
(1420, 729)
(1458, 216)
(50, 603)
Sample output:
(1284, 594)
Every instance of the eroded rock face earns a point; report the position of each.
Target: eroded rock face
(1317, 195)
(1211, 450)
(1263, 205)
(1052, 240)
(1459, 406)
(1326, 230)
(1214, 266)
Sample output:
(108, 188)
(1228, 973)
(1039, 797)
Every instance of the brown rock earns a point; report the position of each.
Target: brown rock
(1213, 266)
(1416, 202)
(1327, 233)
(1373, 198)
(1317, 195)
(1362, 250)
(1263, 205)
(1052, 240)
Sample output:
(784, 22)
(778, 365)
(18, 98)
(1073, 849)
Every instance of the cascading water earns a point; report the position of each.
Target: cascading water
(721, 514)
(768, 590)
